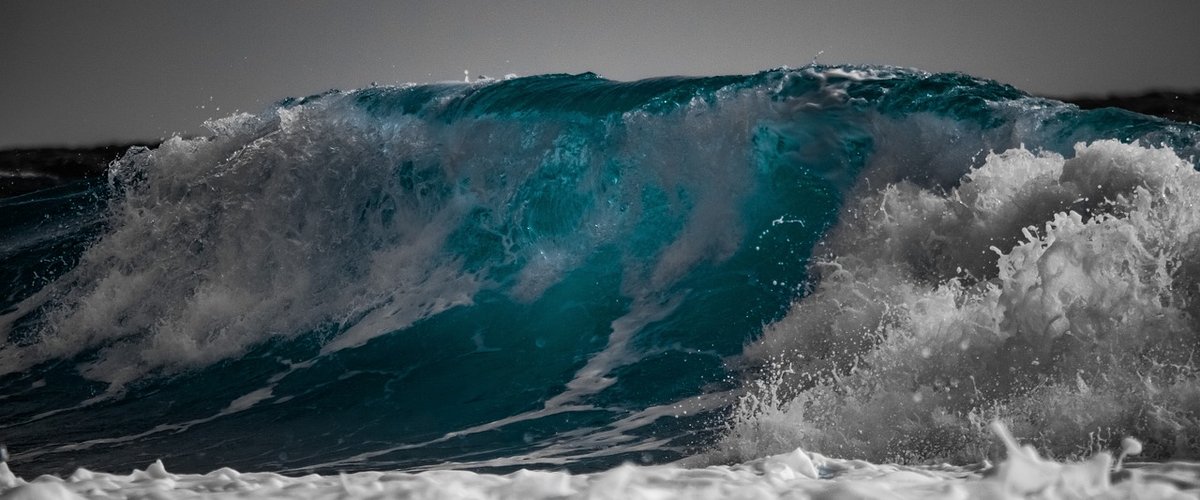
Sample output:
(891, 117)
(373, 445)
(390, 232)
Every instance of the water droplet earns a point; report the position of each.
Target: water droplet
(1131, 446)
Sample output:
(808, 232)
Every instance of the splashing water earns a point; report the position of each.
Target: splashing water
(570, 273)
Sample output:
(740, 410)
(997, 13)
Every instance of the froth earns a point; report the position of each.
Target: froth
(1058, 295)
(798, 474)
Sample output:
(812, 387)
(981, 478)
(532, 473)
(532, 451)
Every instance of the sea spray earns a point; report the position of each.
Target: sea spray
(1057, 295)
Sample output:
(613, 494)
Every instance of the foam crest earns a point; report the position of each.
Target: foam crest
(1057, 295)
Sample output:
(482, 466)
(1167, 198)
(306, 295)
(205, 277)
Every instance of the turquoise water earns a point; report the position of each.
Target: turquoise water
(549, 271)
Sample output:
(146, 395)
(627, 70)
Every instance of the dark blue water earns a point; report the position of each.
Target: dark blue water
(550, 271)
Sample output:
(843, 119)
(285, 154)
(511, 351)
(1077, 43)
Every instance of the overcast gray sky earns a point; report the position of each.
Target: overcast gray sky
(91, 71)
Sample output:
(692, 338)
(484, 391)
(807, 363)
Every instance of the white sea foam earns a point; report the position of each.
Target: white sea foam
(1058, 295)
(795, 475)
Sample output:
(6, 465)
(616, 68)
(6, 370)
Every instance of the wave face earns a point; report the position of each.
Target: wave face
(567, 271)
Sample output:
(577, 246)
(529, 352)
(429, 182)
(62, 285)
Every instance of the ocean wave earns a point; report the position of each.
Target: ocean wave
(567, 271)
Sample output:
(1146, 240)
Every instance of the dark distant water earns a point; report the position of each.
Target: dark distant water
(567, 271)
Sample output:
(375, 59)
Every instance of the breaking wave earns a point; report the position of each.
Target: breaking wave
(567, 271)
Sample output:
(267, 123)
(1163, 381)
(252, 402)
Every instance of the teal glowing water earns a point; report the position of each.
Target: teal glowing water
(553, 271)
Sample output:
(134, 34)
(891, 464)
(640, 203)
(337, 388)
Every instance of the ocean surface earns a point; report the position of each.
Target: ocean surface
(830, 281)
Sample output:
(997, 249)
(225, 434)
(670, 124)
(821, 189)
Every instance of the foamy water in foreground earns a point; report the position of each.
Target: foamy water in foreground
(795, 475)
